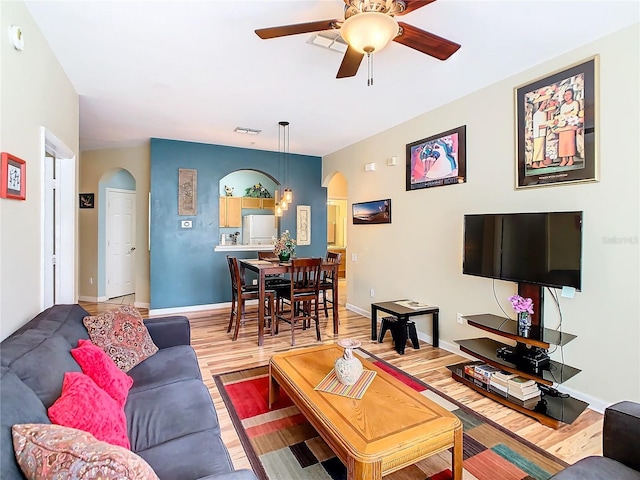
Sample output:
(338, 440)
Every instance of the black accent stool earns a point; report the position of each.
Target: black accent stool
(400, 332)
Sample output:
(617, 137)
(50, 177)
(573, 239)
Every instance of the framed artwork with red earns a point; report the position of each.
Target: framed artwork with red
(13, 177)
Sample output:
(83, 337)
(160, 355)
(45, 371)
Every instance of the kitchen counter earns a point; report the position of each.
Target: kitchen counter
(243, 248)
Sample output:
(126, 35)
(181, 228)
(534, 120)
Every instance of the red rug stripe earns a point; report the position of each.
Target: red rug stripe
(251, 397)
(276, 425)
(404, 378)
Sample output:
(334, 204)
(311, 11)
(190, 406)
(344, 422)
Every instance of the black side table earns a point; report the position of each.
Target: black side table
(403, 313)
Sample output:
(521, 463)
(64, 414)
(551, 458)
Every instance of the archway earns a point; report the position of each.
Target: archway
(116, 237)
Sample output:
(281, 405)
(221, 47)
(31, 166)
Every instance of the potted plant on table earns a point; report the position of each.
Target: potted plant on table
(284, 246)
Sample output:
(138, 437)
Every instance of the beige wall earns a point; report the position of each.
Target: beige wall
(94, 165)
(34, 92)
(422, 249)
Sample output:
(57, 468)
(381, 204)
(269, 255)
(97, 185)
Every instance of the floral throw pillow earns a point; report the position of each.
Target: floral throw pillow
(123, 335)
(53, 452)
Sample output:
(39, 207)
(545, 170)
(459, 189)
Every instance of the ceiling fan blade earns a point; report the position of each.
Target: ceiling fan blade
(411, 5)
(350, 63)
(426, 42)
(295, 29)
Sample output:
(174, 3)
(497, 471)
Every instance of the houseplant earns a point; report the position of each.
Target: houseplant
(284, 246)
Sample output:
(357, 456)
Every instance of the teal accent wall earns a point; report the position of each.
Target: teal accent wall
(184, 268)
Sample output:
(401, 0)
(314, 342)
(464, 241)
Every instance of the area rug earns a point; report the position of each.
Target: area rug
(282, 445)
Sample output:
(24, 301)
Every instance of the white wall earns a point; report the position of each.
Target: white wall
(420, 254)
(34, 92)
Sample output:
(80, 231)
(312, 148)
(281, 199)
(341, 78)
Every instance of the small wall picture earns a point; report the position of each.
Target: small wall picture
(87, 200)
(13, 177)
(437, 160)
(377, 211)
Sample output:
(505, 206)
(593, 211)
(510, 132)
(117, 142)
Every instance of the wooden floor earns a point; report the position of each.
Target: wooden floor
(217, 354)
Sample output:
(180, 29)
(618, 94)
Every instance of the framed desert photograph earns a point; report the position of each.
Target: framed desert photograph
(368, 213)
(556, 128)
(437, 160)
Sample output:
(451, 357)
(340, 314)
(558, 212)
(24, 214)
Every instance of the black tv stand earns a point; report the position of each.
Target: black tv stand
(529, 359)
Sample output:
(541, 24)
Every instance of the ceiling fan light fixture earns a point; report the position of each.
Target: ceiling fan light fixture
(369, 32)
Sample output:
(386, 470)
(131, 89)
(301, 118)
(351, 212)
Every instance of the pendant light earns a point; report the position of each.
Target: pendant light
(283, 147)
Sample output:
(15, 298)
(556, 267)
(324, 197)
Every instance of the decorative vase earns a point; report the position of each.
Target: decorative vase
(524, 324)
(348, 368)
(284, 256)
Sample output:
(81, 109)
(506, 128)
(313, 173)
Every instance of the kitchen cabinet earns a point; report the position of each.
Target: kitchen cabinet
(230, 212)
(258, 203)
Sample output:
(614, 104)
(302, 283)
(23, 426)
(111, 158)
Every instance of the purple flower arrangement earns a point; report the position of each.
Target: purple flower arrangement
(521, 305)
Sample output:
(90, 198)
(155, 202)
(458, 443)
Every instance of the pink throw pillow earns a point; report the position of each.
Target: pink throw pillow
(85, 406)
(98, 365)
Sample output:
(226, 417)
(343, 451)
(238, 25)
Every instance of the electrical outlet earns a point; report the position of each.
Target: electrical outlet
(354, 257)
(255, 281)
(372, 293)
(90, 280)
(459, 318)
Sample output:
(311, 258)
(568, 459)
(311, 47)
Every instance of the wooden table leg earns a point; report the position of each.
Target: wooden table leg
(274, 389)
(457, 454)
(261, 300)
(364, 471)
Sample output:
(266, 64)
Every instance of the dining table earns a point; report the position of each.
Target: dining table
(264, 268)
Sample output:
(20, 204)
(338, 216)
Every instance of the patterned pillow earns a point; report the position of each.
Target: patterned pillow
(123, 335)
(98, 365)
(52, 452)
(85, 406)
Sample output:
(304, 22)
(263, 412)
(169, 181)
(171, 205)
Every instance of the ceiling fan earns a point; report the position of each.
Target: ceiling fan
(367, 27)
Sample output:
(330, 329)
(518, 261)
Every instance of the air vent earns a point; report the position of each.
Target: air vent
(247, 131)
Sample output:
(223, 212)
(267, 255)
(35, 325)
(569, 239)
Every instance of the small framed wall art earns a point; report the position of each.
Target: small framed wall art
(437, 160)
(86, 200)
(369, 213)
(13, 177)
(556, 127)
(187, 191)
(303, 224)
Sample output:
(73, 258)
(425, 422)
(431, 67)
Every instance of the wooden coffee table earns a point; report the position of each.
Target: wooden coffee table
(391, 427)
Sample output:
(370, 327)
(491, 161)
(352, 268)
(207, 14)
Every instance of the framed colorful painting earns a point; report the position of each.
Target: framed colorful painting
(556, 128)
(437, 160)
(13, 177)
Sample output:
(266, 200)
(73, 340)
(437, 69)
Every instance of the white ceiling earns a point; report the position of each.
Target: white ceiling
(195, 70)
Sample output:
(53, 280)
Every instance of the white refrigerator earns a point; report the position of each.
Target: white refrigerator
(258, 229)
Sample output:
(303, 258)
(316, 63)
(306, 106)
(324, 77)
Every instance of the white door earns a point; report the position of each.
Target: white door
(120, 230)
(51, 231)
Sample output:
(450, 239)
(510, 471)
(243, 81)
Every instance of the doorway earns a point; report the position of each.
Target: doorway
(58, 222)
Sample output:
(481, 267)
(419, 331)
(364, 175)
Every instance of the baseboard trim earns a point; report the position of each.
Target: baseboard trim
(141, 304)
(192, 308)
(84, 298)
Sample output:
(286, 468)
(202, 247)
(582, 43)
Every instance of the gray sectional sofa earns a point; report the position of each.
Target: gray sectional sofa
(621, 459)
(171, 419)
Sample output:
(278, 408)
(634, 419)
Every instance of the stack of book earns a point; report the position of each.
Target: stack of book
(523, 391)
(480, 374)
(500, 382)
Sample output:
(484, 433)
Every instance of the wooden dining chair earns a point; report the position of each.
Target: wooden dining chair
(303, 296)
(240, 293)
(327, 282)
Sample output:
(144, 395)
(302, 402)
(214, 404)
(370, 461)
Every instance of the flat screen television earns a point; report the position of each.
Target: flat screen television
(537, 248)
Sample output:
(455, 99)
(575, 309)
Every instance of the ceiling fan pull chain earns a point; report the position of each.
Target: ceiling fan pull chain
(369, 69)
